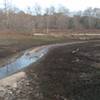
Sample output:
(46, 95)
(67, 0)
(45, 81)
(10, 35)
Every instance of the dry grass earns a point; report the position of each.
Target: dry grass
(13, 43)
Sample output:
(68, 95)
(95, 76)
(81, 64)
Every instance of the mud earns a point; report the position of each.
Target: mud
(67, 72)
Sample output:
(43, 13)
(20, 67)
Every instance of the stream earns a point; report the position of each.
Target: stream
(29, 57)
(21, 62)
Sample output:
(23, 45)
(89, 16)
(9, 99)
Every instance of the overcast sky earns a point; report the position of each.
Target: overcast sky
(73, 5)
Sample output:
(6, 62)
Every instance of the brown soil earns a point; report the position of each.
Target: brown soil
(68, 73)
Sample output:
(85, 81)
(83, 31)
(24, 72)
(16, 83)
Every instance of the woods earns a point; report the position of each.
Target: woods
(35, 19)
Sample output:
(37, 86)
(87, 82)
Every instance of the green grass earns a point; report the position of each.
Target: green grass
(36, 40)
(12, 44)
(48, 39)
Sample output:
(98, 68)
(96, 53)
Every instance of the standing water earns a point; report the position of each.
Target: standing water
(21, 62)
(27, 58)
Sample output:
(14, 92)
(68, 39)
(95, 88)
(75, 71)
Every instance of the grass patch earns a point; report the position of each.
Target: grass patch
(11, 44)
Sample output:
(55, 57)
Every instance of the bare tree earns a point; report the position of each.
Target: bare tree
(6, 13)
(89, 13)
(47, 19)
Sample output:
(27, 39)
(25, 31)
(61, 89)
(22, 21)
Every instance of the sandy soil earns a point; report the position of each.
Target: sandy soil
(12, 80)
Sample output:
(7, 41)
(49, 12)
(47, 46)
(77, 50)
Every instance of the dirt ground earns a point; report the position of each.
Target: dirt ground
(13, 43)
(70, 72)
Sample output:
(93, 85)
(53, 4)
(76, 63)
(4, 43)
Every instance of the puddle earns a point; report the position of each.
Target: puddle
(23, 61)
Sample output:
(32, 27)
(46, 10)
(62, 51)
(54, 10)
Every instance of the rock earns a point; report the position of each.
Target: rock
(27, 84)
(2, 92)
(14, 85)
(75, 51)
(18, 91)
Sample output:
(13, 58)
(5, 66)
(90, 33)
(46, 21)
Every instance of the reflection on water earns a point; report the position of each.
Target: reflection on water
(24, 61)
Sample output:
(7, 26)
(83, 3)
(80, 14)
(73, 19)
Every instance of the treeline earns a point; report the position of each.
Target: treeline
(38, 20)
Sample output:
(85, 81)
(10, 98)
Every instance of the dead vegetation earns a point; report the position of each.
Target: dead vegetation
(12, 43)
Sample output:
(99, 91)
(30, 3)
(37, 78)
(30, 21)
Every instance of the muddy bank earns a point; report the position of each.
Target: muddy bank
(68, 72)
(14, 44)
